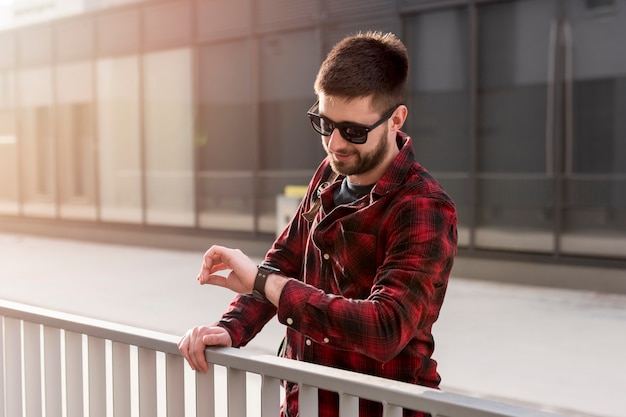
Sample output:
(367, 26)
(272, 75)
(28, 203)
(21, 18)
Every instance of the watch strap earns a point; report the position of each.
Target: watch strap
(263, 271)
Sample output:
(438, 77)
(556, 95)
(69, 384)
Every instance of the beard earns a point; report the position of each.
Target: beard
(363, 163)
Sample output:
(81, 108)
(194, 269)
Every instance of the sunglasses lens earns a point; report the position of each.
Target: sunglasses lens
(326, 127)
(320, 125)
(354, 134)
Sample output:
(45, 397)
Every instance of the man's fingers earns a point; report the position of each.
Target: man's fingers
(217, 280)
(216, 339)
(192, 349)
(193, 343)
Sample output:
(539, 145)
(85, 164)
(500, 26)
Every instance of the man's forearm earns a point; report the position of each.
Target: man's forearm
(274, 287)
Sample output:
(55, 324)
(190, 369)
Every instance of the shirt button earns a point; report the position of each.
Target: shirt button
(290, 321)
(326, 340)
(326, 256)
(308, 342)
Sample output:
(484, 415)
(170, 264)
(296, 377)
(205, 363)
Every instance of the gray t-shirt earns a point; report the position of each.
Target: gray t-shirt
(349, 192)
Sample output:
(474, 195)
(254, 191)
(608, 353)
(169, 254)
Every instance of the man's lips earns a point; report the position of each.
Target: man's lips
(342, 156)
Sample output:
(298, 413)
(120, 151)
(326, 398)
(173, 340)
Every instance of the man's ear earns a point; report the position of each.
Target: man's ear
(399, 116)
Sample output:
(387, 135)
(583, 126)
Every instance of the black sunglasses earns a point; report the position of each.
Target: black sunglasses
(352, 132)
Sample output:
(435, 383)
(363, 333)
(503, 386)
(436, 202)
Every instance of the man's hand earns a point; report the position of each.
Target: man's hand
(192, 345)
(242, 269)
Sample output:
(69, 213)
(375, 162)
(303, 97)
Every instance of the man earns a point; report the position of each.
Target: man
(359, 275)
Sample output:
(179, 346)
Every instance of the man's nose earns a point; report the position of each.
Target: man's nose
(335, 139)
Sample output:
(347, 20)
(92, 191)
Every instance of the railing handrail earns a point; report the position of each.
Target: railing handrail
(149, 339)
(411, 396)
(396, 393)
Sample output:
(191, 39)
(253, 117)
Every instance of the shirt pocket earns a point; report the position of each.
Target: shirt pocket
(355, 263)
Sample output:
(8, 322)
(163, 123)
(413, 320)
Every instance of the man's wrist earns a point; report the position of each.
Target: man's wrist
(260, 281)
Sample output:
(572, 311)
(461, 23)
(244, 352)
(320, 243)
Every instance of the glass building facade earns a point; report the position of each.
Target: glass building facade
(192, 114)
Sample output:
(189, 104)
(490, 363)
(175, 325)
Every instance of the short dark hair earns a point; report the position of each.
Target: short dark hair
(366, 64)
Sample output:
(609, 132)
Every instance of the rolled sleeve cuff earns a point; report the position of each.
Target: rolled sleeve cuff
(294, 296)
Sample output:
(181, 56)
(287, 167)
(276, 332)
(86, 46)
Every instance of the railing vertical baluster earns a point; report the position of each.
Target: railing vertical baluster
(2, 370)
(205, 393)
(307, 401)
(32, 369)
(13, 352)
(270, 396)
(52, 366)
(392, 410)
(97, 377)
(147, 383)
(237, 393)
(348, 405)
(175, 385)
(121, 380)
(74, 374)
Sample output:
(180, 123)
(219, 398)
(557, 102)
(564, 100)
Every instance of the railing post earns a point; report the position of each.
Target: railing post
(348, 405)
(236, 380)
(2, 370)
(270, 396)
(307, 401)
(121, 380)
(74, 374)
(175, 385)
(205, 393)
(13, 350)
(52, 366)
(97, 377)
(147, 382)
(391, 411)
(32, 368)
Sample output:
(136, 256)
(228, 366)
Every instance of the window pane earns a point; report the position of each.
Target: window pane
(595, 150)
(438, 103)
(74, 40)
(516, 173)
(169, 138)
(119, 130)
(290, 149)
(34, 45)
(75, 141)
(226, 137)
(36, 142)
(118, 33)
(8, 139)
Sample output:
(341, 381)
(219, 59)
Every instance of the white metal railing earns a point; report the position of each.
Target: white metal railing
(56, 364)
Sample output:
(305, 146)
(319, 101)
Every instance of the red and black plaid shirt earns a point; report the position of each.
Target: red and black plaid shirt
(368, 281)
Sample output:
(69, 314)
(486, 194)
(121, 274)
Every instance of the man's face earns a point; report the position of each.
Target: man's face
(349, 159)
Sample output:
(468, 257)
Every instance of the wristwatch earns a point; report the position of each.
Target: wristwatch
(263, 271)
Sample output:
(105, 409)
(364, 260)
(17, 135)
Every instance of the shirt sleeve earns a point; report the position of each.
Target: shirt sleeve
(245, 317)
(406, 294)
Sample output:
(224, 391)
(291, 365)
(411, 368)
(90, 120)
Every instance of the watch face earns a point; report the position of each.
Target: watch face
(268, 269)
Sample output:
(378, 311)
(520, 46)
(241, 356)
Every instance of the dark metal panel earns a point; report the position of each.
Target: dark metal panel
(75, 40)
(7, 50)
(274, 15)
(35, 45)
(340, 9)
(408, 6)
(337, 31)
(217, 19)
(118, 33)
(167, 25)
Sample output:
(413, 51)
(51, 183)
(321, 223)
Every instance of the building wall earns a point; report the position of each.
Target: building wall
(190, 114)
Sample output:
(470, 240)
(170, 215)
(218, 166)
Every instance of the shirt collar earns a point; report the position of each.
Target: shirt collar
(396, 172)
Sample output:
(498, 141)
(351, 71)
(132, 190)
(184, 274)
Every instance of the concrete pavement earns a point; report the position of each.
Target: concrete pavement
(559, 350)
